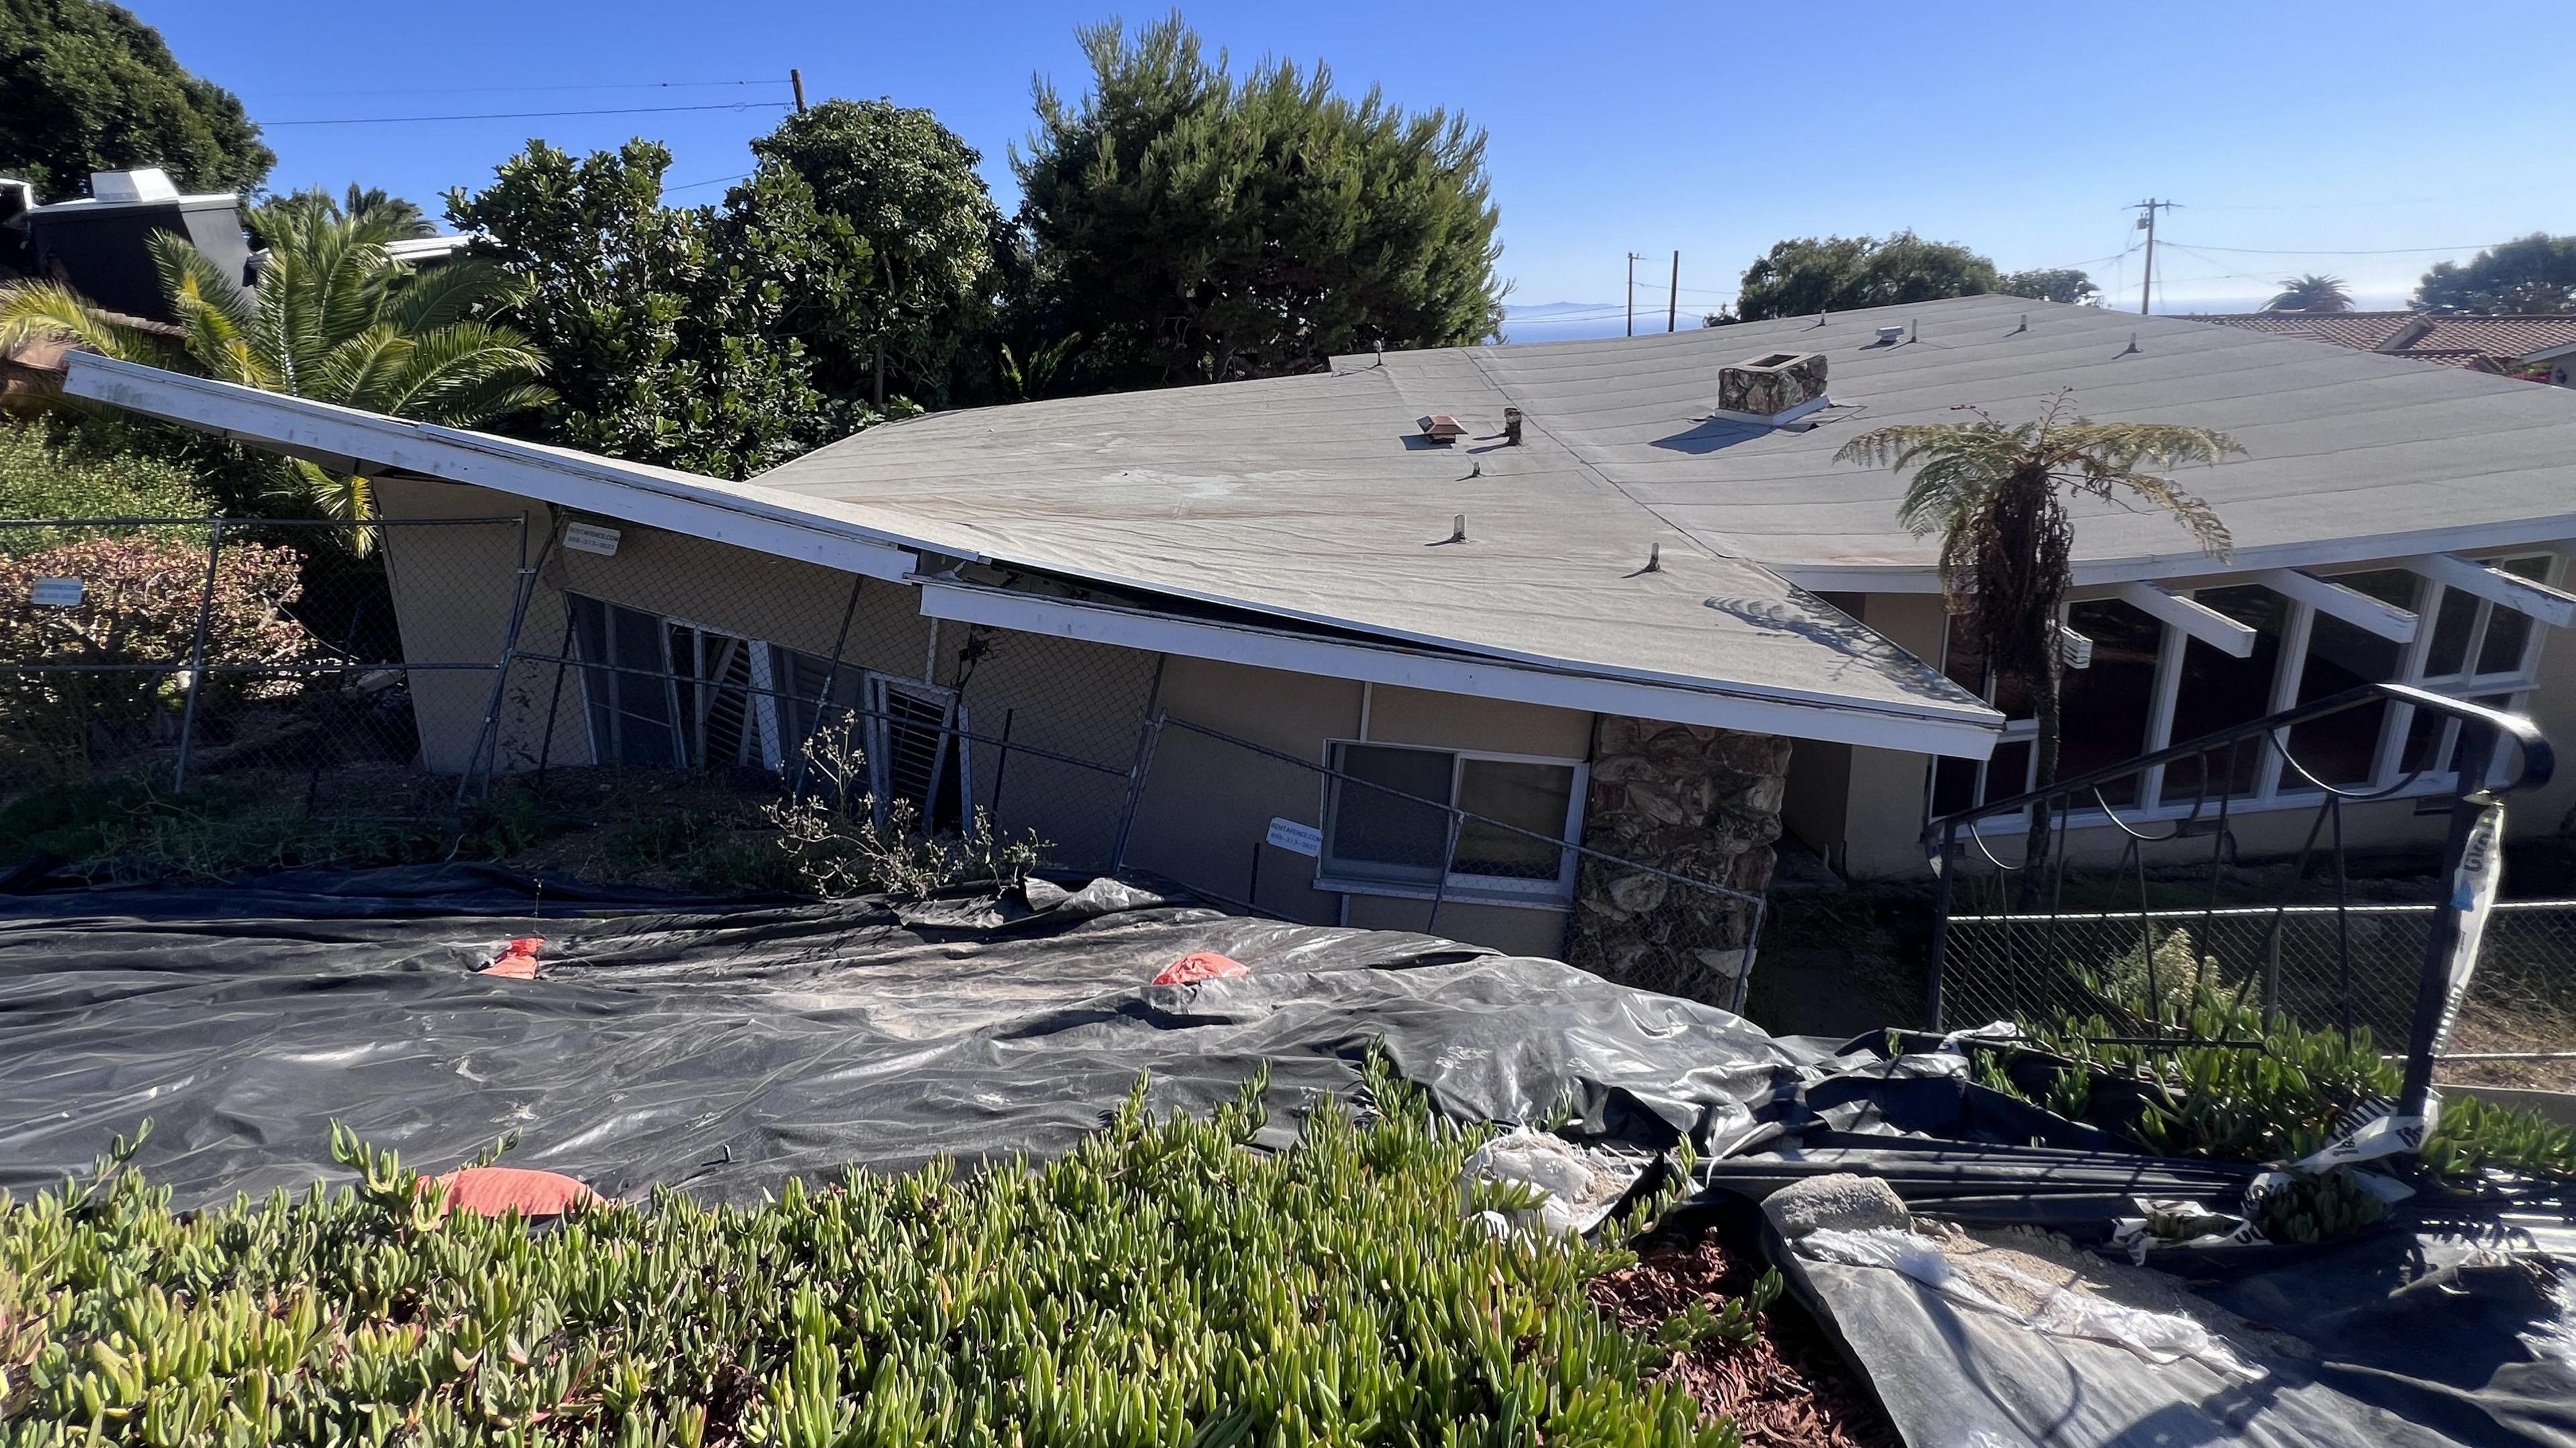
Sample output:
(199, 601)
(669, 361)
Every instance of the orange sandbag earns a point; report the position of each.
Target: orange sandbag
(1200, 965)
(489, 1191)
(517, 961)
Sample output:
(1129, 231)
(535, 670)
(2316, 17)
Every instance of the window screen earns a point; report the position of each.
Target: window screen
(913, 752)
(1375, 835)
(1532, 796)
(631, 713)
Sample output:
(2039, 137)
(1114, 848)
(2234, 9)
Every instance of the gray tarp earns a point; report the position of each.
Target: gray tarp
(725, 1049)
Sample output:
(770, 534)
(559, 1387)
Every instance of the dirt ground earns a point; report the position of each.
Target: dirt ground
(1789, 1387)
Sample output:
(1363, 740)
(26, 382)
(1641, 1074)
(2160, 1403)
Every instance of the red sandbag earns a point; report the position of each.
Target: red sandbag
(489, 1191)
(517, 961)
(1200, 965)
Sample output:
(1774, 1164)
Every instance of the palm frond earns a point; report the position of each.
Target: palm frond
(49, 311)
(360, 370)
(456, 369)
(451, 292)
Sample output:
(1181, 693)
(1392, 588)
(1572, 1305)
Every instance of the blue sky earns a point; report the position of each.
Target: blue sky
(2288, 131)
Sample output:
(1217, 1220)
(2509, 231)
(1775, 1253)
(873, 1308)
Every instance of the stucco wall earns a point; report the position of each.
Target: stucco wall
(1209, 804)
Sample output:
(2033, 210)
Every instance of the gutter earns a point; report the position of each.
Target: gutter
(1953, 732)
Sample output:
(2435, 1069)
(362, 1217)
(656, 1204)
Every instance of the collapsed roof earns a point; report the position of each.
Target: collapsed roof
(1312, 502)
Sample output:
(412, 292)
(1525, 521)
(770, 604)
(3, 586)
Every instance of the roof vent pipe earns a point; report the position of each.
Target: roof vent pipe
(1511, 427)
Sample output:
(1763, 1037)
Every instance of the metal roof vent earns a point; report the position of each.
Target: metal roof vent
(1440, 427)
(1772, 389)
(124, 188)
(1890, 336)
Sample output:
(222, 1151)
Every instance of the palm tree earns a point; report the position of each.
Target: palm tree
(403, 220)
(1996, 493)
(333, 319)
(2310, 293)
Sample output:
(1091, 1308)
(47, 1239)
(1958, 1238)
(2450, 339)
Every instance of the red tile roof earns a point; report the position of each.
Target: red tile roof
(2488, 344)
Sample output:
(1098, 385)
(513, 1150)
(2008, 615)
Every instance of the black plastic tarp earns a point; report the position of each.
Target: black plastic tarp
(726, 1048)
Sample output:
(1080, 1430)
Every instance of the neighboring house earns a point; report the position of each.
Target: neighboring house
(1611, 619)
(2537, 346)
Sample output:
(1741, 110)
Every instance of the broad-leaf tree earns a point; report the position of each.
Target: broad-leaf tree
(676, 333)
(2535, 273)
(1842, 273)
(921, 292)
(2310, 292)
(1996, 494)
(1196, 226)
(2052, 284)
(84, 86)
(333, 319)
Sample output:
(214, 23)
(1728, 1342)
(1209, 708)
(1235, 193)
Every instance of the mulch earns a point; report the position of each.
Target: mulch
(1789, 1387)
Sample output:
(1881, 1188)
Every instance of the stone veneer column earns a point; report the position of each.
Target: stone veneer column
(1701, 802)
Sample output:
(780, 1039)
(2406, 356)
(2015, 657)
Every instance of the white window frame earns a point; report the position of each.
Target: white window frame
(875, 688)
(2270, 792)
(1512, 890)
(762, 717)
(763, 694)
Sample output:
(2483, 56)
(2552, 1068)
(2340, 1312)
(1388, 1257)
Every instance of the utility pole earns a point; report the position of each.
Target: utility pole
(1633, 259)
(2147, 210)
(1673, 305)
(796, 78)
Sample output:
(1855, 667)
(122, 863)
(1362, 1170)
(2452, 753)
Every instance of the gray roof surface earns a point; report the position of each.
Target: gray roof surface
(1308, 481)
(2348, 454)
(1313, 498)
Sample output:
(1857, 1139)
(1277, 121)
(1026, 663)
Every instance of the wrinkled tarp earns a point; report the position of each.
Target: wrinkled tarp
(725, 1049)
(2454, 1324)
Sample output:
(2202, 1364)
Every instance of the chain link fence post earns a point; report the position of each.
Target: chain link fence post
(197, 661)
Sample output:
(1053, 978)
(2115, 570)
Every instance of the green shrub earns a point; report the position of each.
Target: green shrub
(48, 470)
(839, 842)
(2279, 1098)
(1161, 1284)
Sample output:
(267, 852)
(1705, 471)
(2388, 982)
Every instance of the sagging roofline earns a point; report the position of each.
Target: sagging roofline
(793, 526)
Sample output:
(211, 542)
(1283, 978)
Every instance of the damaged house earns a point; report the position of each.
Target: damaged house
(1613, 593)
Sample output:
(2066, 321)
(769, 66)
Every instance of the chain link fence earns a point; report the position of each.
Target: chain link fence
(1375, 835)
(634, 705)
(236, 655)
(2356, 967)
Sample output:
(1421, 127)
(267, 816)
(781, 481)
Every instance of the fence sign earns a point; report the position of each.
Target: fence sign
(591, 538)
(1303, 839)
(56, 593)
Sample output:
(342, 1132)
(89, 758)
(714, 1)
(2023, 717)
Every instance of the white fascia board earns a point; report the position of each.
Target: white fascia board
(2552, 606)
(302, 427)
(2196, 620)
(2353, 606)
(1879, 726)
(2102, 572)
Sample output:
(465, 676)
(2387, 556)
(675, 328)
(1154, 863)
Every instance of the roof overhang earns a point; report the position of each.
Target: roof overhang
(2176, 567)
(789, 525)
(1963, 733)
(347, 440)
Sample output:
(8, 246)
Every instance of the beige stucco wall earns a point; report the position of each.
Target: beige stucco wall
(1209, 804)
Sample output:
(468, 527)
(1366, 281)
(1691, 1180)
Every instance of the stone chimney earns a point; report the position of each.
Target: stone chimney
(1771, 389)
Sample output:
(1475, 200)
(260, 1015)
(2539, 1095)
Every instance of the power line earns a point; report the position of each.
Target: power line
(475, 90)
(527, 115)
(2382, 251)
(718, 181)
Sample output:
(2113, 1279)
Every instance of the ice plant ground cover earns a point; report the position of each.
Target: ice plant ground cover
(1164, 1283)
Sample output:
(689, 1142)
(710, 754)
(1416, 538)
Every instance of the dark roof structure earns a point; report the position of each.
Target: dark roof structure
(2482, 344)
